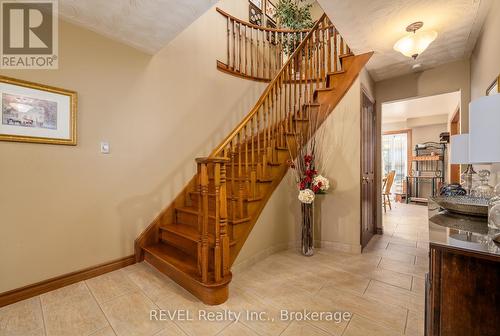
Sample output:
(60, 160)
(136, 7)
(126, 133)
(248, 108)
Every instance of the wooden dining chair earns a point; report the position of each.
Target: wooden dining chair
(386, 190)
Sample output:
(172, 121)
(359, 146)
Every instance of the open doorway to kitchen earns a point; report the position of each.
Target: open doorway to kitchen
(414, 147)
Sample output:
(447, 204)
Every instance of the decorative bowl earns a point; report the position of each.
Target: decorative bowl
(465, 205)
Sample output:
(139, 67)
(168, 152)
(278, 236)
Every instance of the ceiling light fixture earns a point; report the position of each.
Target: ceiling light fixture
(415, 43)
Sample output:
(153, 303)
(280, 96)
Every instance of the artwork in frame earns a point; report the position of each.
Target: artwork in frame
(257, 3)
(254, 15)
(37, 113)
(270, 10)
(494, 87)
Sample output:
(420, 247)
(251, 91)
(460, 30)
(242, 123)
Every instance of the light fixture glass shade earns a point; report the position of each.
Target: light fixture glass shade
(484, 130)
(459, 145)
(415, 43)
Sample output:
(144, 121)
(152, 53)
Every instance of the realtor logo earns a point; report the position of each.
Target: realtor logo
(29, 33)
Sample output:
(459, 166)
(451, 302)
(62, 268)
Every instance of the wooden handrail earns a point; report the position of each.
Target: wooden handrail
(257, 52)
(266, 92)
(248, 24)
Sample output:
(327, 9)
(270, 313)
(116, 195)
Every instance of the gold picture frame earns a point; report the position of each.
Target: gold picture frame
(494, 87)
(37, 113)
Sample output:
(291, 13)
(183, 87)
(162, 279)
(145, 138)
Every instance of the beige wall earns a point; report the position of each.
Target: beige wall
(437, 119)
(446, 78)
(277, 228)
(485, 59)
(485, 64)
(66, 208)
(338, 212)
(427, 133)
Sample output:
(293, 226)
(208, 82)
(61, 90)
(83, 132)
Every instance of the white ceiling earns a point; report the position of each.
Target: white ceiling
(375, 25)
(147, 25)
(420, 107)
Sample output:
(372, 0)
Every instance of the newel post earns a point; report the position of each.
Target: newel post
(203, 242)
(217, 167)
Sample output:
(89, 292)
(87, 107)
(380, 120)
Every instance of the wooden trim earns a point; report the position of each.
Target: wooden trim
(409, 145)
(454, 128)
(364, 93)
(45, 286)
(73, 104)
(495, 82)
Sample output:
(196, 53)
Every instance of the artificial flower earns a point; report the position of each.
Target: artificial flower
(321, 182)
(306, 196)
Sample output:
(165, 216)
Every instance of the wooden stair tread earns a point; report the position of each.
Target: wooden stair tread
(175, 257)
(244, 179)
(300, 118)
(193, 211)
(189, 232)
(336, 72)
(247, 199)
(346, 55)
(269, 163)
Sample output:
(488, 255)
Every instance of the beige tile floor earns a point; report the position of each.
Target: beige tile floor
(382, 289)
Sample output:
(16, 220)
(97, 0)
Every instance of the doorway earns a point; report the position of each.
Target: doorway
(414, 146)
(368, 190)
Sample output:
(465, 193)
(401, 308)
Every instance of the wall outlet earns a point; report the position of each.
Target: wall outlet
(105, 147)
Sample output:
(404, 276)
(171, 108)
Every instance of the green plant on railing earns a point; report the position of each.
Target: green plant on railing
(295, 15)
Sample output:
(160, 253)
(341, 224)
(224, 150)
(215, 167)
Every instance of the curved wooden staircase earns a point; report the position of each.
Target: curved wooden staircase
(196, 239)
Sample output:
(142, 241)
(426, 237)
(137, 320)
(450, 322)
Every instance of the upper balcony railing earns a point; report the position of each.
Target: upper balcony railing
(259, 53)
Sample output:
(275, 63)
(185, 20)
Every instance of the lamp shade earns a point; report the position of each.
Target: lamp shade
(459, 152)
(484, 130)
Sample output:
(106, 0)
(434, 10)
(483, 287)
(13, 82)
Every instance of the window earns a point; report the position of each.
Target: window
(395, 157)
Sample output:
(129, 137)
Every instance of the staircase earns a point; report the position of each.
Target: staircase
(196, 239)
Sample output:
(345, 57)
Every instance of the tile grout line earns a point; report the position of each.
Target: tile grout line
(407, 317)
(43, 315)
(368, 285)
(255, 331)
(317, 328)
(288, 326)
(347, 326)
(100, 308)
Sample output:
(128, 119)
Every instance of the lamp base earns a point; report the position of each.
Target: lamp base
(467, 178)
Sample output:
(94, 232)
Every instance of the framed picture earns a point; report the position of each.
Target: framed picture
(37, 113)
(257, 3)
(494, 88)
(254, 15)
(270, 10)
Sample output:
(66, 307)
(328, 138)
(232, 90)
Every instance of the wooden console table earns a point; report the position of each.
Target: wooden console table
(463, 284)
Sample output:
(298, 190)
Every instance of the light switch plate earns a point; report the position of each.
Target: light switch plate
(105, 147)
